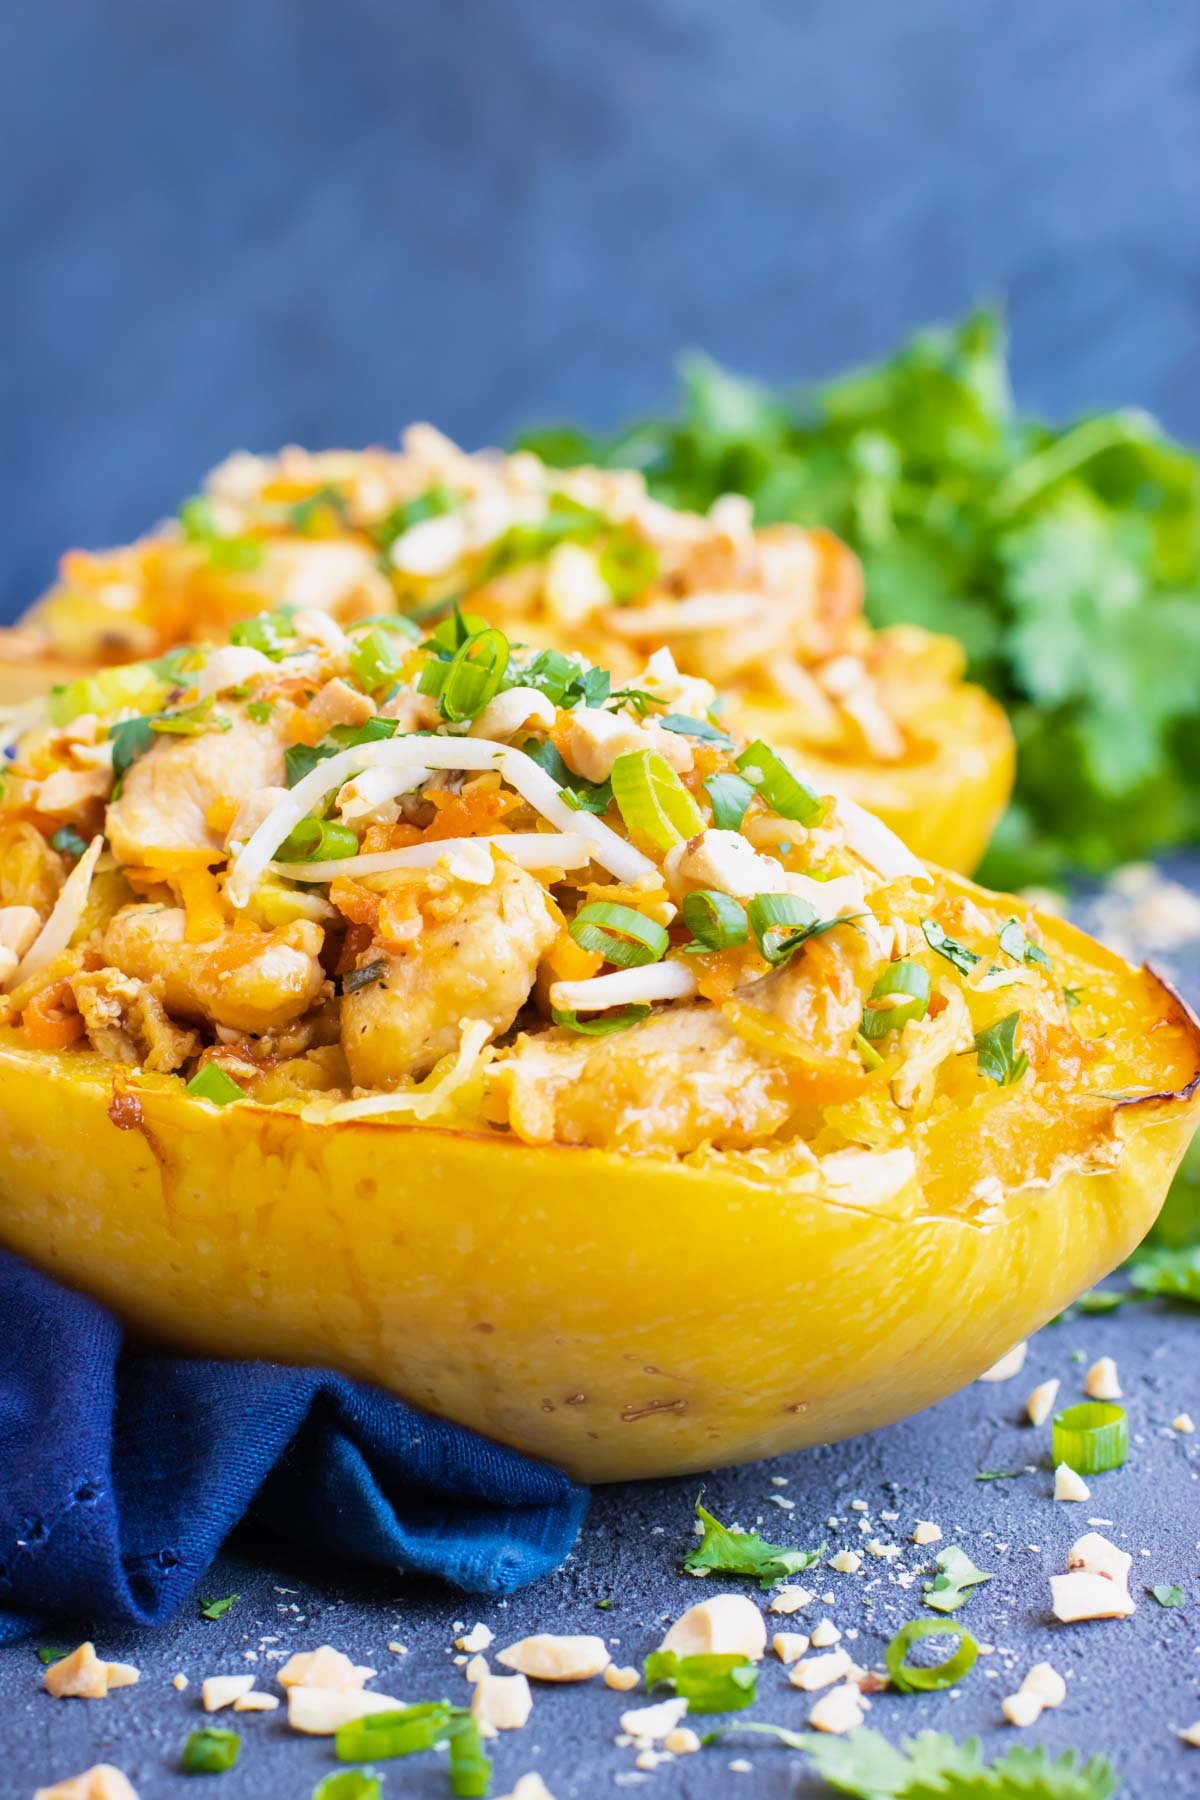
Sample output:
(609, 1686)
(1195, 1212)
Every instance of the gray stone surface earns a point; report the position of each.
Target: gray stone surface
(245, 223)
(1129, 1681)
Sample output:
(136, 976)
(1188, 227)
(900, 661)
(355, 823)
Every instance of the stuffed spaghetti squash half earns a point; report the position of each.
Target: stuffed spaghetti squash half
(445, 1011)
(579, 559)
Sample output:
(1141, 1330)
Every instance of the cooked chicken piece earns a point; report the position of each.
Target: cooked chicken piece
(168, 793)
(678, 1080)
(480, 964)
(249, 980)
(127, 1022)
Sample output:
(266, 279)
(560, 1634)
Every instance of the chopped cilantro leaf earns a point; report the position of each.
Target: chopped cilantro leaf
(996, 1050)
(216, 1609)
(701, 729)
(1169, 1596)
(964, 960)
(1014, 943)
(725, 1552)
(956, 1576)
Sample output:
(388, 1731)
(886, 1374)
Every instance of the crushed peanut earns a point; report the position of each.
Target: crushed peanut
(101, 1782)
(1070, 1486)
(842, 1709)
(1008, 1365)
(726, 1625)
(1101, 1381)
(1040, 1403)
(501, 1703)
(219, 1691)
(789, 1646)
(926, 1532)
(550, 1658)
(790, 1600)
(620, 1680)
(815, 1672)
(1043, 1687)
(84, 1676)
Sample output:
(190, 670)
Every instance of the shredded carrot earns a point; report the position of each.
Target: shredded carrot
(355, 902)
(569, 961)
(473, 813)
(50, 1021)
(399, 922)
(221, 813)
(201, 899)
(388, 837)
(170, 862)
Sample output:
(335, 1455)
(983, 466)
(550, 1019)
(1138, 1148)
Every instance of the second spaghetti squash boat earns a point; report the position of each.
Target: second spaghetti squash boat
(581, 559)
(447, 1013)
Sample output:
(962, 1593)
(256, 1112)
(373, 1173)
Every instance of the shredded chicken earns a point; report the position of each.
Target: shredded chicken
(168, 794)
(479, 964)
(676, 1081)
(128, 1023)
(246, 979)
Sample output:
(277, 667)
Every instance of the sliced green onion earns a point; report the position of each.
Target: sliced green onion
(777, 921)
(871, 1059)
(657, 809)
(212, 1083)
(730, 796)
(619, 934)
(429, 505)
(783, 791)
(601, 1024)
(405, 1732)
(375, 659)
(716, 921)
(1091, 1437)
(627, 564)
(475, 675)
(216, 1609)
(260, 710)
(191, 721)
(349, 1784)
(317, 840)
(370, 972)
(708, 1682)
(910, 1678)
(269, 632)
(209, 1751)
(470, 1768)
(905, 988)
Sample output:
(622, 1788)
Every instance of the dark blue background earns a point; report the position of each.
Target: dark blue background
(260, 220)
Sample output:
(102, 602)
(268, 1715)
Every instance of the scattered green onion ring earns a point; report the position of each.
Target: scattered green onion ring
(212, 1083)
(783, 791)
(910, 1678)
(778, 922)
(619, 934)
(475, 675)
(209, 1751)
(716, 921)
(317, 840)
(657, 809)
(1091, 1437)
(906, 987)
(375, 659)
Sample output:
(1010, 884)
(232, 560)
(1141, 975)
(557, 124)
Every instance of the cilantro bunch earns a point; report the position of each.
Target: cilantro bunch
(1066, 560)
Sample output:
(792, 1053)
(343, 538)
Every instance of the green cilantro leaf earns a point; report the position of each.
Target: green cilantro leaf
(964, 960)
(933, 1767)
(1169, 1595)
(956, 1576)
(216, 1609)
(996, 1049)
(725, 1552)
(1170, 1274)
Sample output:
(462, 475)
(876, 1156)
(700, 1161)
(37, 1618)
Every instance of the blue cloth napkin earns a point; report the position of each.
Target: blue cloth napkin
(122, 1471)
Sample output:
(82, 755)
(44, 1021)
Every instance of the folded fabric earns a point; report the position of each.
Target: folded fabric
(122, 1471)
